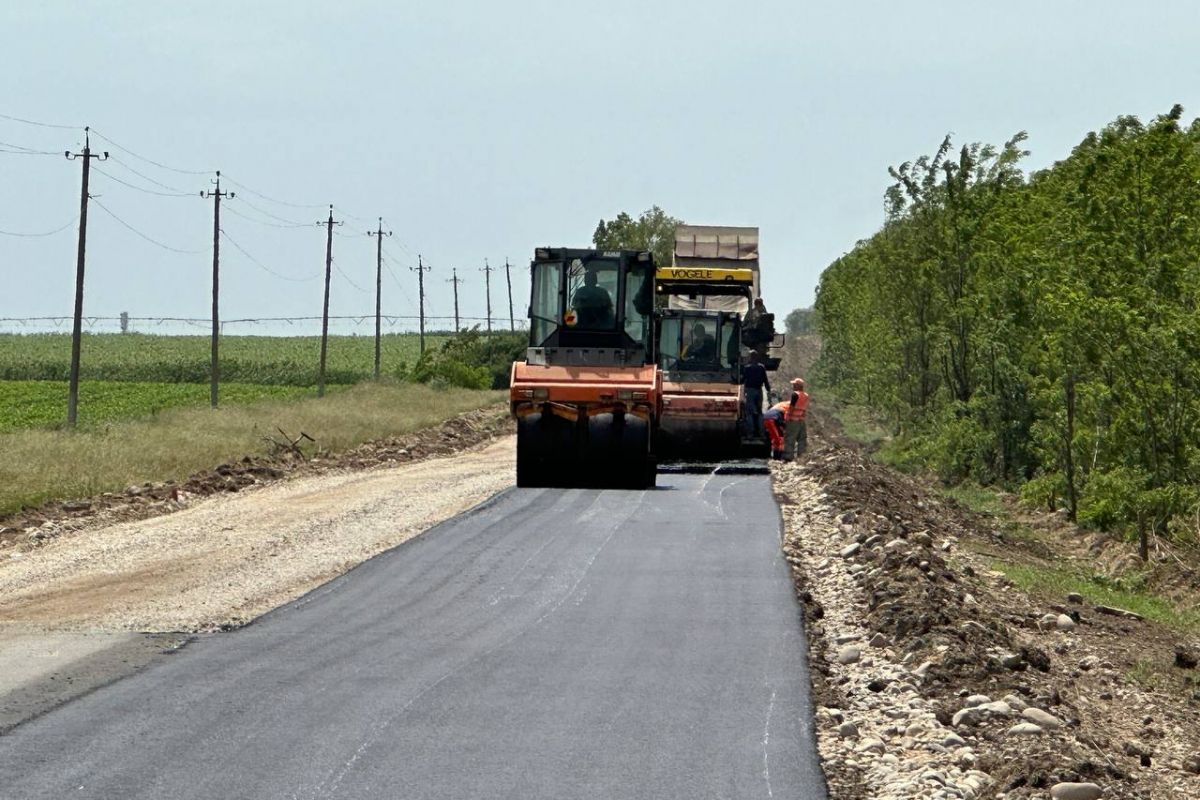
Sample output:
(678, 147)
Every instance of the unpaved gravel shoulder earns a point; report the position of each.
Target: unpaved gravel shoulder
(91, 604)
(936, 677)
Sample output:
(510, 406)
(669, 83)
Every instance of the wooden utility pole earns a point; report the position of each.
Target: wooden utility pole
(512, 322)
(378, 234)
(329, 223)
(487, 279)
(77, 330)
(421, 269)
(456, 281)
(215, 371)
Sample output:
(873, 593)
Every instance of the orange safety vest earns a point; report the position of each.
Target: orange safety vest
(794, 413)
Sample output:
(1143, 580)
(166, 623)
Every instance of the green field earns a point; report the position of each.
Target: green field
(146, 358)
(132, 376)
(43, 404)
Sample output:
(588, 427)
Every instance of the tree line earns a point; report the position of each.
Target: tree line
(1037, 331)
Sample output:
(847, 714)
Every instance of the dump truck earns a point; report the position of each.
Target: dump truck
(704, 297)
(588, 396)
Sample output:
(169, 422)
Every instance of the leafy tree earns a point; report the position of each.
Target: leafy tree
(1039, 330)
(653, 230)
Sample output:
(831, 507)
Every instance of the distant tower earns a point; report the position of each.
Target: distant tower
(124, 322)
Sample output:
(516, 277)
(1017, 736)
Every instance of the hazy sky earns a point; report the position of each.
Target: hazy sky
(482, 129)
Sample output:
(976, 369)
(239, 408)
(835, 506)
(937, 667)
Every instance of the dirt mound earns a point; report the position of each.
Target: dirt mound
(916, 569)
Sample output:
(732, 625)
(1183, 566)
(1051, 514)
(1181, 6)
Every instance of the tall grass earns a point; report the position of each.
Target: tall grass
(43, 465)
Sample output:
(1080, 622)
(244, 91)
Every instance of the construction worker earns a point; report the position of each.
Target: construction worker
(774, 425)
(754, 383)
(592, 303)
(794, 410)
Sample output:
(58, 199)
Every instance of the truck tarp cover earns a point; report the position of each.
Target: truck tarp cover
(720, 247)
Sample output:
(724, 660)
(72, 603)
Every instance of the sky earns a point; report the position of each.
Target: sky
(480, 130)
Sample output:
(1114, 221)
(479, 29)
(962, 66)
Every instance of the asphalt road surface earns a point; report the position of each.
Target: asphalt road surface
(548, 644)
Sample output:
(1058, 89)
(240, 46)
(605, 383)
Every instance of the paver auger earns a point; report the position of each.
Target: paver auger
(587, 396)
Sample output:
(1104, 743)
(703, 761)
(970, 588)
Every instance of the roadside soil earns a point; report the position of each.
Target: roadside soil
(92, 590)
(936, 677)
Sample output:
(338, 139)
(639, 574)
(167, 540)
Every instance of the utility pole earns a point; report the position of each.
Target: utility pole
(456, 281)
(77, 331)
(512, 323)
(378, 234)
(215, 372)
(329, 223)
(487, 278)
(421, 269)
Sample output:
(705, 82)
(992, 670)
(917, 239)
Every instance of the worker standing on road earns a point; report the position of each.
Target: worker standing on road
(794, 411)
(754, 383)
(773, 423)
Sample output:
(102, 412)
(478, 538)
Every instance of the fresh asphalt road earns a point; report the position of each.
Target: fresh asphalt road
(548, 644)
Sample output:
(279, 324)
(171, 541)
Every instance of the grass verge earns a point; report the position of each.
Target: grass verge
(45, 465)
(1060, 582)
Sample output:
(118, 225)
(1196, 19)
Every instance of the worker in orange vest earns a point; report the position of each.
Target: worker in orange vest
(794, 410)
(773, 425)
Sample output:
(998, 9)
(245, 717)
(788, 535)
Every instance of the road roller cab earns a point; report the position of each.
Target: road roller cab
(700, 357)
(587, 396)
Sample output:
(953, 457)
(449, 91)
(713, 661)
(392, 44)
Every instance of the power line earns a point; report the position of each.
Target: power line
(22, 150)
(149, 239)
(266, 213)
(270, 199)
(68, 224)
(347, 277)
(41, 124)
(145, 177)
(141, 188)
(264, 222)
(150, 160)
(261, 265)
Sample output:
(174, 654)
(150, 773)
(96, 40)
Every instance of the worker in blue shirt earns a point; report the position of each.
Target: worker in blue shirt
(754, 383)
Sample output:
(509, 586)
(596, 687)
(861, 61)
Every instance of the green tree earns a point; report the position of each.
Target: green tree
(653, 230)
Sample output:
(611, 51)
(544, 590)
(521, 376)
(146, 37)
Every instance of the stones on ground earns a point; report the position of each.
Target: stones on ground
(1015, 703)
(1192, 764)
(1076, 598)
(1013, 661)
(968, 716)
(976, 700)
(1025, 729)
(953, 740)
(848, 730)
(1088, 663)
(850, 550)
(1064, 623)
(849, 655)
(1118, 612)
(871, 746)
(1186, 656)
(1076, 791)
(998, 708)
(1041, 718)
(879, 641)
(1048, 621)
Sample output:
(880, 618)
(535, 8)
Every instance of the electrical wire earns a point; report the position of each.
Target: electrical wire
(147, 177)
(347, 277)
(270, 199)
(264, 212)
(141, 188)
(149, 239)
(263, 266)
(41, 124)
(232, 210)
(18, 149)
(150, 160)
(69, 223)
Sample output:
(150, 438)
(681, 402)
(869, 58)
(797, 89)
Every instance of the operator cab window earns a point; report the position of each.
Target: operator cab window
(592, 288)
(544, 315)
(701, 349)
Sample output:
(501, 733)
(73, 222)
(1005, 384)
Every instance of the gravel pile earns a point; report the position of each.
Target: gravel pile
(937, 678)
